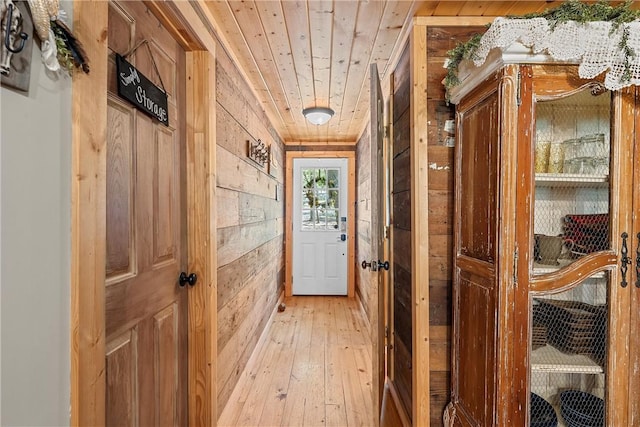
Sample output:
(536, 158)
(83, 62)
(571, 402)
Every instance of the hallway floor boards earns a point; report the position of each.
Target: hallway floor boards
(311, 368)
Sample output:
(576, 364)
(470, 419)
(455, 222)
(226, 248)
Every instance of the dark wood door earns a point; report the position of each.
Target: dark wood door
(475, 292)
(378, 195)
(400, 321)
(146, 309)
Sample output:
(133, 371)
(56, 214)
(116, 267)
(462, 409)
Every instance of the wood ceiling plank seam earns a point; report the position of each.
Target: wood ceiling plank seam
(473, 8)
(272, 74)
(297, 24)
(398, 47)
(427, 8)
(321, 19)
(496, 8)
(362, 47)
(273, 22)
(235, 45)
(397, 50)
(448, 8)
(344, 27)
(360, 108)
(255, 68)
(523, 7)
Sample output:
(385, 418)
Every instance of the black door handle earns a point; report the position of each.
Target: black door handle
(191, 279)
(625, 259)
(382, 265)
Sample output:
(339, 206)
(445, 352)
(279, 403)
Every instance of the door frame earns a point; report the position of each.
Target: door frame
(351, 197)
(88, 206)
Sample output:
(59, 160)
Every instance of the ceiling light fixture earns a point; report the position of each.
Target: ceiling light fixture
(318, 115)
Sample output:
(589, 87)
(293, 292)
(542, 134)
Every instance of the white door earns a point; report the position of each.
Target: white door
(320, 226)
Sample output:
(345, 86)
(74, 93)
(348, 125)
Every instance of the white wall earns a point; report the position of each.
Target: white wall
(35, 217)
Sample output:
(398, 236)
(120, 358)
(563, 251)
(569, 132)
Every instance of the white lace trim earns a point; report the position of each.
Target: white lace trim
(590, 44)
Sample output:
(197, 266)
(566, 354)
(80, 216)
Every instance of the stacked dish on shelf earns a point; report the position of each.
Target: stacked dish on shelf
(575, 327)
(542, 413)
(586, 155)
(581, 409)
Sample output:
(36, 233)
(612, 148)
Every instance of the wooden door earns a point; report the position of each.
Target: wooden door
(378, 240)
(146, 309)
(400, 361)
(475, 293)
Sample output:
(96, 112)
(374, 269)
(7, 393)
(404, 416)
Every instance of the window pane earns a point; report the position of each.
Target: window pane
(321, 178)
(307, 223)
(334, 200)
(333, 177)
(308, 199)
(332, 219)
(321, 198)
(308, 178)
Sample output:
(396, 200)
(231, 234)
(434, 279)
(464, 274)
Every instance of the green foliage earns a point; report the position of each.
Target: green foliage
(456, 55)
(572, 10)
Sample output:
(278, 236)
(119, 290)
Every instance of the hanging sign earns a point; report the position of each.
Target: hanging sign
(140, 91)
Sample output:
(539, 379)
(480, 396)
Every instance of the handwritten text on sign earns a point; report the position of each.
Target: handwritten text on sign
(140, 91)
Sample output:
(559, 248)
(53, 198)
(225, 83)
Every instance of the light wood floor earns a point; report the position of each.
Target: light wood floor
(313, 369)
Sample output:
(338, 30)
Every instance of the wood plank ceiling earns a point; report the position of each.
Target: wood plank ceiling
(305, 53)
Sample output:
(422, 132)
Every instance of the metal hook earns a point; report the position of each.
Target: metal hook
(7, 37)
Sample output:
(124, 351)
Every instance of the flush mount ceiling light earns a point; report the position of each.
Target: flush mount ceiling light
(318, 115)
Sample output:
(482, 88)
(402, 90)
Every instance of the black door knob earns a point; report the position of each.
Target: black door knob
(190, 279)
(382, 265)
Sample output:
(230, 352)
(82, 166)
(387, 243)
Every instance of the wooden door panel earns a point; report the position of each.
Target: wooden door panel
(165, 328)
(476, 342)
(478, 202)
(119, 194)
(146, 317)
(121, 380)
(166, 201)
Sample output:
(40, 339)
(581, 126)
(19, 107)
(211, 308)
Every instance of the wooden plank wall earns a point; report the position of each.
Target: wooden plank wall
(439, 41)
(401, 231)
(250, 224)
(363, 220)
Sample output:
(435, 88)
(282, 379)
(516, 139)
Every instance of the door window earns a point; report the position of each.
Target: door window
(320, 199)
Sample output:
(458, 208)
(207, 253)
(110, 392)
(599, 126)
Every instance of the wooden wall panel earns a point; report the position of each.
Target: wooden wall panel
(250, 225)
(440, 194)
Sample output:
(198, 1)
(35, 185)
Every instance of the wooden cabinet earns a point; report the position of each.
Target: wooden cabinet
(547, 248)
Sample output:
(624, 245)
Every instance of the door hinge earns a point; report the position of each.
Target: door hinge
(386, 131)
(386, 331)
(515, 267)
(386, 231)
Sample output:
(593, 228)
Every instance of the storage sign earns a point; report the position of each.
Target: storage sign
(140, 91)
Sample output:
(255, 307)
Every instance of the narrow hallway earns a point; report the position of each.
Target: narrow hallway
(311, 368)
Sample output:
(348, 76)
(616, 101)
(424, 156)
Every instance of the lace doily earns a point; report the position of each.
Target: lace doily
(591, 44)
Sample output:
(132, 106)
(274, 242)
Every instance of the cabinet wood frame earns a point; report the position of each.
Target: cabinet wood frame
(517, 283)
